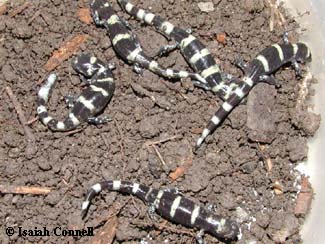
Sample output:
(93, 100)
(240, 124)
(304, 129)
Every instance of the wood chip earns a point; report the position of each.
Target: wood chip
(107, 233)
(180, 171)
(276, 17)
(34, 190)
(3, 7)
(84, 15)
(278, 188)
(221, 38)
(68, 48)
(304, 199)
(269, 164)
(20, 9)
(196, 130)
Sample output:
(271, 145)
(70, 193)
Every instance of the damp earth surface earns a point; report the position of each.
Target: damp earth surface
(245, 170)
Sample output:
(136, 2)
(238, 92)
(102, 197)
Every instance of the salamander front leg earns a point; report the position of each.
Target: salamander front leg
(199, 84)
(111, 66)
(285, 37)
(297, 68)
(69, 100)
(199, 237)
(138, 69)
(164, 50)
(127, 24)
(151, 211)
(212, 207)
(269, 80)
(231, 80)
(98, 120)
(239, 62)
(231, 83)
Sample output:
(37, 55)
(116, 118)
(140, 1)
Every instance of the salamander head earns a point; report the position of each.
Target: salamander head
(84, 64)
(228, 230)
(304, 54)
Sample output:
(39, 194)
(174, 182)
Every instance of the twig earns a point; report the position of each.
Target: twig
(20, 9)
(121, 144)
(71, 132)
(162, 140)
(272, 16)
(154, 143)
(21, 115)
(37, 13)
(31, 121)
(66, 50)
(121, 141)
(158, 154)
(107, 233)
(45, 18)
(25, 190)
(275, 12)
(30, 63)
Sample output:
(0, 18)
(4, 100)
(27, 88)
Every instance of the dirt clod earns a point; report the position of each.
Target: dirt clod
(260, 113)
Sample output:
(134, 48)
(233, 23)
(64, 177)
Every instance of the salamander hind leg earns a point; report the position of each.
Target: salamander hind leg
(138, 69)
(297, 68)
(240, 63)
(166, 49)
(151, 211)
(269, 80)
(201, 85)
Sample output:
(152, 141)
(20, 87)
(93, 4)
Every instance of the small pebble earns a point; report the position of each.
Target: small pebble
(206, 6)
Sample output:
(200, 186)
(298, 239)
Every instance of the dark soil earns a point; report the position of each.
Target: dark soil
(237, 168)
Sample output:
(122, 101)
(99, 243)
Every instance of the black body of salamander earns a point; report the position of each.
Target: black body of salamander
(258, 70)
(171, 206)
(194, 52)
(127, 45)
(90, 102)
